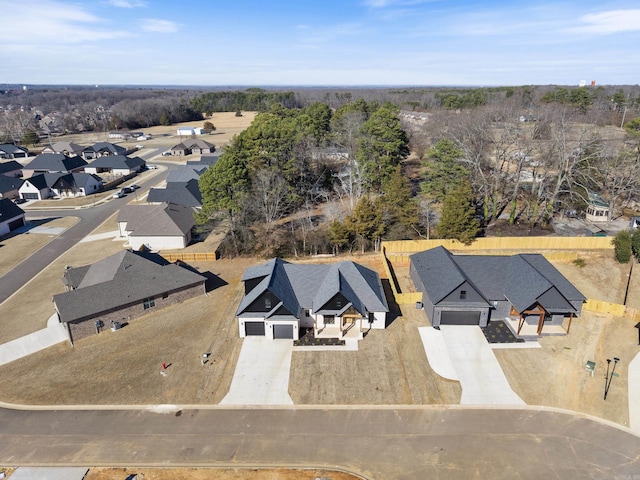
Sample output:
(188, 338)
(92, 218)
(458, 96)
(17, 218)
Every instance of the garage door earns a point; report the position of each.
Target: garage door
(254, 328)
(30, 196)
(283, 331)
(16, 224)
(460, 318)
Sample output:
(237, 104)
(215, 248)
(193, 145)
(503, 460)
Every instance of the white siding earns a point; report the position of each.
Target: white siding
(157, 243)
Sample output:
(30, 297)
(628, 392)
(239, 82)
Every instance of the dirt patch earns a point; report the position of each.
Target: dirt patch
(555, 375)
(215, 474)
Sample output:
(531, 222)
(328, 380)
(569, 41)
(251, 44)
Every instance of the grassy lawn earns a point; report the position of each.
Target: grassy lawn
(17, 247)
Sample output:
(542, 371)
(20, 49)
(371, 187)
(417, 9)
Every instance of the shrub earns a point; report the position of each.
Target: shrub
(579, 262)
(622, 246)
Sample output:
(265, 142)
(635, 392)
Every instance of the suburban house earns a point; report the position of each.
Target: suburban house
(118, 165)
(10, 151)
(525, 290)
(52, 163)
(11, 216)
(336, 300)
(9, 186)
(205, 160)
(45, 185)
(179, 193)
(156, 227)
(192, 146)
(69, 149)
(119, 288)
(11, 168)
(102, 149)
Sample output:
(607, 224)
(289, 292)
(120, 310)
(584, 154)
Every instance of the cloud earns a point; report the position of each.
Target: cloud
(34, 22)
(127, 3)
(612, 21)
(159, 26)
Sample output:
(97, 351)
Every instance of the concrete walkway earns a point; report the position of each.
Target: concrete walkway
(101, 236)
(34, 342)
(634, 394)
(461, 352)
(49, 473)
(262, 373)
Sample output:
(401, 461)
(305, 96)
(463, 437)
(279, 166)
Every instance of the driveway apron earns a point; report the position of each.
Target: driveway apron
(262, 373)
(481, 377)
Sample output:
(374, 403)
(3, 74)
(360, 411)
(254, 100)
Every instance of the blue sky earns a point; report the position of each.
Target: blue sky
(329, 42)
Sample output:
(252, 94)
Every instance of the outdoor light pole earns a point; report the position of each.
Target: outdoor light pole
(608, 378)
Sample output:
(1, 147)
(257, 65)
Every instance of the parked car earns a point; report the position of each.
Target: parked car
(118, 194)
(133, 186)
(166, 154)
(152, 167)
(125, 190)
(19, 200)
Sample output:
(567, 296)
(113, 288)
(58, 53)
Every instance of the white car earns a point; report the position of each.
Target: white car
(118, 194)
(152, 167)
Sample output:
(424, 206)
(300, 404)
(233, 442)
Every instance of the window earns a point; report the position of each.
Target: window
(338, 303)
(267, 303)
(148, 303)
(329, 319)
(463, 294)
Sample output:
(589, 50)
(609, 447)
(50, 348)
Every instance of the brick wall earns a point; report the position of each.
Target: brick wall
(83, 328)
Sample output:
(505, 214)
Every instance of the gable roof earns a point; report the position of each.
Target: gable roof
(61, 179)
(118, 280)
(106, 147)
(10, 166)
(12, 149)
(116, 161)
(184, 173)
(9, 210)
(312, 286)
(55, 162)
(524, 279)
(197, 143)
(209, 159)
(179, 193)
(68, 147)
(8, 184)
(166, 219)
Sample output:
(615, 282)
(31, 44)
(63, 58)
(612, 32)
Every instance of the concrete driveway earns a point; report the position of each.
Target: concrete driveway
(262, 373)
(461, 352)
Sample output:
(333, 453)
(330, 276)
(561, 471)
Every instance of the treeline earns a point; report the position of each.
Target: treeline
(252, 99)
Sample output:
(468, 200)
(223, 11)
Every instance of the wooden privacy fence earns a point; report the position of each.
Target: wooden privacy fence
(615, 309)
(502, 243)
(190, 257)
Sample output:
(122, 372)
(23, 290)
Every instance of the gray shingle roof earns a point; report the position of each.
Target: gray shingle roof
(9, 183)
(312, 286)
(10, 166)
(165, 219)
(180, 193)
(11, 149)
(119, 280)
(9, 210)
(69, 147)
(522, 279)
(55, 162)
(184, 173)
(52, 180)
(112, 148)
(116, 161)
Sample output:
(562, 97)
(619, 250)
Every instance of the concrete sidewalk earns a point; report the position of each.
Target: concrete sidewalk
(262, 373)
(460, 352)
(34, 342)
(634, 394)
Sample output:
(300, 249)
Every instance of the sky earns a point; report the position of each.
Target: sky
(313, 42)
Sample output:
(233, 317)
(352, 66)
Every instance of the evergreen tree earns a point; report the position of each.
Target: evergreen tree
(367, 222)
(458, 219)
(399, 202)
(30, 137)
(622, 246)
(339, 236)
(444, 171)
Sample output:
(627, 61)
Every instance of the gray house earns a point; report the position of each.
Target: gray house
(53, 163)
(121, 287)
(473, 289)
(337, 300)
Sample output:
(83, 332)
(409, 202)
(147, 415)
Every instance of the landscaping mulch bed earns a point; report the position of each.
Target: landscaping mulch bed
(309, 340)
(498, 332)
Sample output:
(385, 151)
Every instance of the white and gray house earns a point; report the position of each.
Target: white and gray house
(524, 290)
(337, 300)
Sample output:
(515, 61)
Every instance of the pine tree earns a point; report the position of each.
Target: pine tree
(458, 219)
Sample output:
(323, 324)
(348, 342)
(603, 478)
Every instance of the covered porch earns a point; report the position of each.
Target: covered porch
(347, 325)
(537, 321)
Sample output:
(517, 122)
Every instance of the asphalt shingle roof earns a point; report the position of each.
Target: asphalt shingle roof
(10, 166)
(165, 219)
(9, 210)
(116, 161)
(118, 280)
(180, 193)
(9, 183)
(312, 286)
(56, 162)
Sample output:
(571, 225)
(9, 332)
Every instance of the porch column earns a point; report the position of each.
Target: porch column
(520, 323)
(540, 323)
(570, 319)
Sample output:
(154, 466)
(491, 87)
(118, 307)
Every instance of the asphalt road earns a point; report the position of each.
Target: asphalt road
(378, 443)
(90, 219)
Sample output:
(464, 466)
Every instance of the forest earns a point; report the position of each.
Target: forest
(325, 170)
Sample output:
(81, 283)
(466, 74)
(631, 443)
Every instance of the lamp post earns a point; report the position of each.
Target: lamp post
(608, 378)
